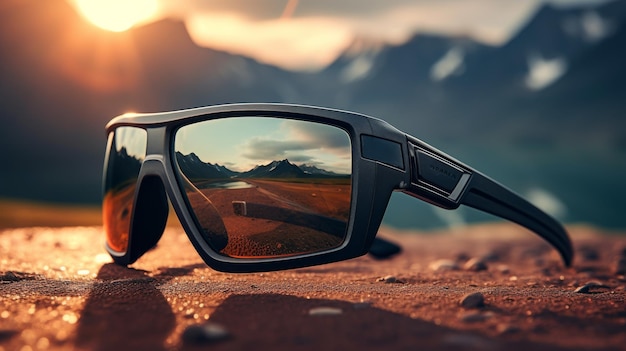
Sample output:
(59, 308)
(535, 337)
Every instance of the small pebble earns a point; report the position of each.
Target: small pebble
(504, 269)
(475, 265)
(9, 277)
(6, 334)
(388, 279)
(473, 300)
(590, 288)
(492, 256)
(204, 333)
(325, 311)
(444, 265)
(462, 256)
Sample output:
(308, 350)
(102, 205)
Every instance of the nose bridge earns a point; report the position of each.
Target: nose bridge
(156, 151)
(157, 142)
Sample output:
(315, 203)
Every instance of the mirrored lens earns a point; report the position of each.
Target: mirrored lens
(266, 187)
(126, 149)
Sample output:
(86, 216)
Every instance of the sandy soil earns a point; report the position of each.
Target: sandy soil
(59, 290)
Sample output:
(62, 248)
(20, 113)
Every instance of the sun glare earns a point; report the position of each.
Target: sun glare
(117, 15)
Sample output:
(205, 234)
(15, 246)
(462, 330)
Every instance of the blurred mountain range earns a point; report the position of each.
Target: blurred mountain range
(543, 113)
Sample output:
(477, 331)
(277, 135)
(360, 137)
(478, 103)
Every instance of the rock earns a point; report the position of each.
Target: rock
(462, 257)
(9, 277)
(590, 288)
(504, 269)
(384, 249)
(12, 277)
(475, 265)
(444, 265)
(473, 300)
(199, 334)
(325, 311)
(492, 256)
(6, 334)
(388, 279)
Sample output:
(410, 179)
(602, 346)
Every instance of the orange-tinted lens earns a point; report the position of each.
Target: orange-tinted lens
(126, 149)
(263, 187)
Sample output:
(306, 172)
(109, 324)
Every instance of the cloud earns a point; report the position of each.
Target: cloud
(325, 146)
(298, 44)
(318, 134)
(303, 159)
(316, 32)
(298, 137)
(266, 149)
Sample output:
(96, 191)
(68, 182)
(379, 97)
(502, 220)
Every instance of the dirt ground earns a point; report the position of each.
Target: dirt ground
(60, 291)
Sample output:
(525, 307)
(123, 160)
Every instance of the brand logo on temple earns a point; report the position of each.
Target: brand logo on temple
(443, 171)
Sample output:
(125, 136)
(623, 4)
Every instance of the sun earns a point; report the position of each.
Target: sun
(117, 15)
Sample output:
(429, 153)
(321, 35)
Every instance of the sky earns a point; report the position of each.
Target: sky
(242, 143)
(310, 34)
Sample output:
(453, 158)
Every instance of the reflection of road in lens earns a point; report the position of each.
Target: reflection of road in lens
(224, 185)
(117, 208)
(293, 207)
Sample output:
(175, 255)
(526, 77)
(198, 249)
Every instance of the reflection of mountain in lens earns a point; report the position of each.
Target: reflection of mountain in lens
(123, 168)
(275, 169)
(194, 168)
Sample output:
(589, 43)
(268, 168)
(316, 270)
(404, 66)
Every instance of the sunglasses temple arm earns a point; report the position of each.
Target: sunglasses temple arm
(476, 190)
(488, 196)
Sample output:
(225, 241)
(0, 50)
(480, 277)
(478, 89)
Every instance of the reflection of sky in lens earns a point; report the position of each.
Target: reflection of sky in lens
(133, 139)
(245, 142)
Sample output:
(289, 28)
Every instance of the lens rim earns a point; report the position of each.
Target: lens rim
(182, 181)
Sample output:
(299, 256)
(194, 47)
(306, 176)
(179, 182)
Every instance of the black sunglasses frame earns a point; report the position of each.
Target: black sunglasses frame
(384, 160)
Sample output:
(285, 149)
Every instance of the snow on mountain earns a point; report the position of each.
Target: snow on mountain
(194, 168)
(358, 69)
(590, 26)
(357, 60)
(543, 72)
(314, 170)
(547, 201)
(452, 63)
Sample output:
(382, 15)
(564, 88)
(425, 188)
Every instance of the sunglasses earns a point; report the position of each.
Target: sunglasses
(261, 187)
